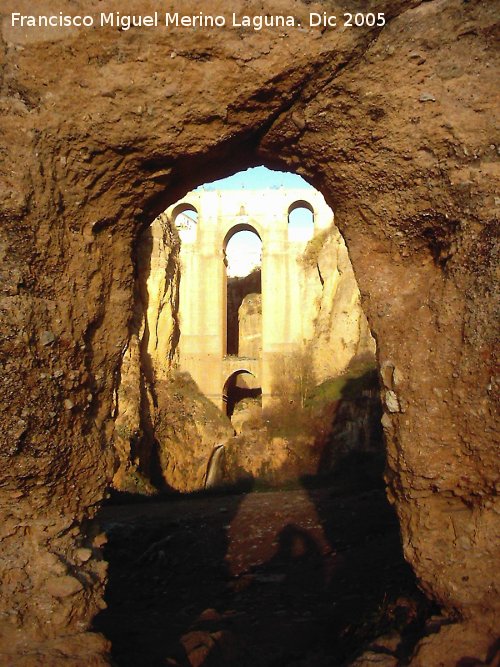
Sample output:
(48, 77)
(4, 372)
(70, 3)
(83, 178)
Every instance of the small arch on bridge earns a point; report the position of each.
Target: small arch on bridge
(300, 221)
(240, 227)
(239, 385)
(185, 219)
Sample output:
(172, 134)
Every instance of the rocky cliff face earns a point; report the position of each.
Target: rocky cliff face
(166, 430)
(335, 322)
(332, 318)
(243, 323)
(148, 356)
(102, 129)
(250, 326)
(188, 427)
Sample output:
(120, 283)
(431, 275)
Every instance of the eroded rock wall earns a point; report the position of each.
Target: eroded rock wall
(188, 427)
(240, 323)
(102, 129)
(434, 199)
(165, 429)
(250, 326)
(333, 318)
(148, 356)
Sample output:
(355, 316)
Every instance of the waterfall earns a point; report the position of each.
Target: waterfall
(214, 469)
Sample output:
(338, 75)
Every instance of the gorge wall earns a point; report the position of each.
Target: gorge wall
(244, 315)
(165, 427)
(102, 129)
(250, 325)
(338, 329)
(333, 322)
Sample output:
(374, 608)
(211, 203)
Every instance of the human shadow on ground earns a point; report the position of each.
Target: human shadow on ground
(312, 575)
(298, 577)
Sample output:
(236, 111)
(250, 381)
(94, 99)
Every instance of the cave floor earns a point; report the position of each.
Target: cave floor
(290, 577)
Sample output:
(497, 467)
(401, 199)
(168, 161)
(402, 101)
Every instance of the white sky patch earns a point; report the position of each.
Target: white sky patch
(243, 253)
(300, 225)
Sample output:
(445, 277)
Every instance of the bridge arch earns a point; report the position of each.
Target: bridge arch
(243, 253)
(185, 218)
(240, 384)
(241, 227)
(301, 203)
(301, 220)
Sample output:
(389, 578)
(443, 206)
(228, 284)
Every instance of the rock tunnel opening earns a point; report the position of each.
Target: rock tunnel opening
(259, 274)
(305, 431)
(398, 129)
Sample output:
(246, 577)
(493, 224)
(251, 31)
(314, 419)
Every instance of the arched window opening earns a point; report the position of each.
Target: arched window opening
(243, 257)
(300, 221)
(298, 405)
(243, 253)
(241, 391)
(185, 218)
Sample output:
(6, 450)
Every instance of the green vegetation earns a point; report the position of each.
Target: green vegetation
(305, 408)
(360, 375)
(134, 482)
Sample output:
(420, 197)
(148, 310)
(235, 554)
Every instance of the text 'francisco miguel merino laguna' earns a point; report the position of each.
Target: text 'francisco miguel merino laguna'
(199, 20)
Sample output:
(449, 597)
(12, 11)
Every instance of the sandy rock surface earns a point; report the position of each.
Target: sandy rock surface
(101, 129)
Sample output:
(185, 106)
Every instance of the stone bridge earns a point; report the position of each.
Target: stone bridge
(215, 217)
(232, 365)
